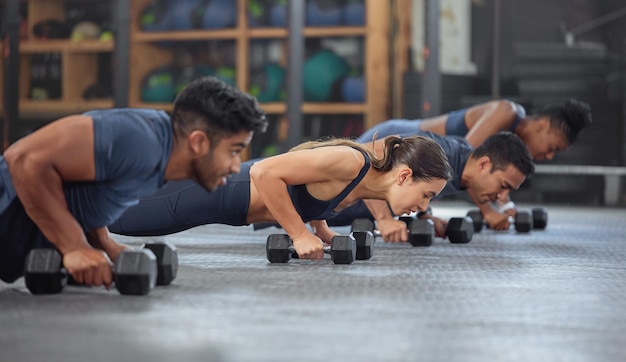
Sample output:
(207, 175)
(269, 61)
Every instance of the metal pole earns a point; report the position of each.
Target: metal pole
(11, 38)
(431, 85)
(495, 66)
(623, 70)
(121, 59)
(295, 43)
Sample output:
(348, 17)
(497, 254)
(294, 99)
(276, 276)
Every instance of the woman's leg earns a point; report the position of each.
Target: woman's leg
(388, 128)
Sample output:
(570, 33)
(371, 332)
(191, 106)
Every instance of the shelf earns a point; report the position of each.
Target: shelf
(52, 46)
(281, 108)
(185, 35)
(55, 108)
(259, 33)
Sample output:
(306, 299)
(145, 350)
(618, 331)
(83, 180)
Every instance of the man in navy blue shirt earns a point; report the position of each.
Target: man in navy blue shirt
(63, 184)
(487, 173)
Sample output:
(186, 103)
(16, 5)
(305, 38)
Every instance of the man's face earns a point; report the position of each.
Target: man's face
(222, 160)
(490, 186)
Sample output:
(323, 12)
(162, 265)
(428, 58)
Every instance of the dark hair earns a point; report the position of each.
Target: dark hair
(220, 110)
(570, 118)
(503, 149)
(422, 155)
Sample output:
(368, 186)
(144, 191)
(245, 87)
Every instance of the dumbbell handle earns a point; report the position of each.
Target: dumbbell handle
(292, 249)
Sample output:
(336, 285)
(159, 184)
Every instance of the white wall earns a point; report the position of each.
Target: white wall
(455, 36)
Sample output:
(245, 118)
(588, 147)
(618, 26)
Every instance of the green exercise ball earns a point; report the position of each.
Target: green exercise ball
(228, 75)
(268, 85)
(159, 86)
(321, 73)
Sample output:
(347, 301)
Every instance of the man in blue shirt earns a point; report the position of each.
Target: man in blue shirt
(487, 173)
(63, 184)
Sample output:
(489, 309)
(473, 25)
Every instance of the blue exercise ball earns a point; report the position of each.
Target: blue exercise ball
(353, 89)
(278, 14)
(323, 13)
(217, 14)
(180, 13)
(354, 13)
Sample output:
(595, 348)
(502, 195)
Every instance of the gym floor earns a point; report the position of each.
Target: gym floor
(552, 295)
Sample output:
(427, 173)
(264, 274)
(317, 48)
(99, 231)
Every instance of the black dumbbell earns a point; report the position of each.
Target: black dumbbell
(460, 230)
(342, 249)
(134, 272)
(523, 220)
(540, 218)
(167, 261)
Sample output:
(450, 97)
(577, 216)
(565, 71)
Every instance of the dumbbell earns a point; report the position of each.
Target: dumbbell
(167, 261)
(460, 230)
(363, 224)
(342, 249)
(540, 218)
(134, 272)
(524, 220)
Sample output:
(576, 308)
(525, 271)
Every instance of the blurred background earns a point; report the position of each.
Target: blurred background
(331, 67)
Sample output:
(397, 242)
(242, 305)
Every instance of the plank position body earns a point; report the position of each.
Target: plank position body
(311, 183)
(550, 130)
(63, 184)
(487, 173)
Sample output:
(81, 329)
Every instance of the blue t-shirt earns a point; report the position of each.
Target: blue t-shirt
(457, 151)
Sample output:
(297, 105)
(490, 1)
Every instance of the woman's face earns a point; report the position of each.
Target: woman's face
(545, 142)
(408, 195)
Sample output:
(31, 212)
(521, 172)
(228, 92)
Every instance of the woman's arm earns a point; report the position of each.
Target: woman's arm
(487, 119)
(329, 168)
(322, 231)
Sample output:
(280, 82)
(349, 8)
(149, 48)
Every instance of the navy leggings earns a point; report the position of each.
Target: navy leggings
(182, 205)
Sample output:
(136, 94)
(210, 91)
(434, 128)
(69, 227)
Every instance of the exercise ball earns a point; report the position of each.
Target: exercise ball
(154, 17)
(354, 13)
(324, 13)
(353, 89)
(180, 13)
(216, 14)
(321, 73)
(268, 85)
(159, 85)
(227, 74)
(278, 14)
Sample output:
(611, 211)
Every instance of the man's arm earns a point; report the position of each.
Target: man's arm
(39, 164)
(495, 219)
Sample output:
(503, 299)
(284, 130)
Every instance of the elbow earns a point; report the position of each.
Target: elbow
(14, 156)
(257, 173)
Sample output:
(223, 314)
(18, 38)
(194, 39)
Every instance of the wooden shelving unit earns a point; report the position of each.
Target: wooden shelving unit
(79, 61)
(145, 56)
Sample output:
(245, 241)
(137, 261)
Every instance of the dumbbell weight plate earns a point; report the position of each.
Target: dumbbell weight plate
(41, 272)
(477, 219)
(421, 232)
(523, 221)
(364, 244)
(167, 261)
(540, 217)
(460, 230)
